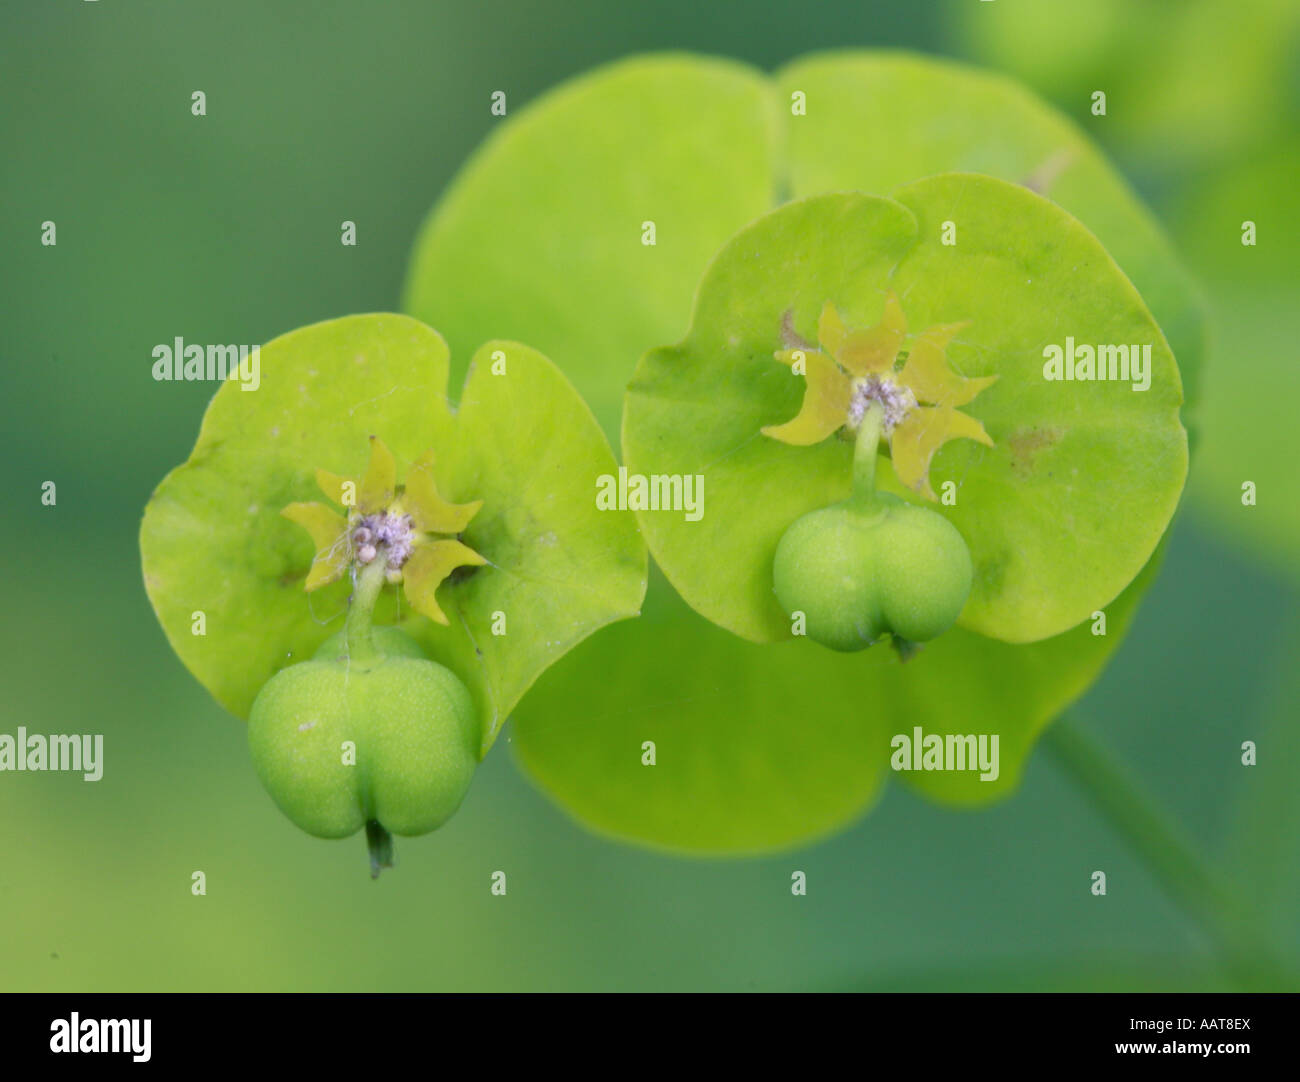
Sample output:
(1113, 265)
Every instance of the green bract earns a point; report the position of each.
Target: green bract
(225, 570)
(757, 746)
(701, 147)
(934, 116)
(765, 747)
(542, 229)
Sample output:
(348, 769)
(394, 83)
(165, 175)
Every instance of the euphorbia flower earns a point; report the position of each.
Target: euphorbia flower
(853, 369)
(410, 527)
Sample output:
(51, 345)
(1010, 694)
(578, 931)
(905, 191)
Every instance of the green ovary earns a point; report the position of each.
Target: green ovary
(864, 568)
(391, 740)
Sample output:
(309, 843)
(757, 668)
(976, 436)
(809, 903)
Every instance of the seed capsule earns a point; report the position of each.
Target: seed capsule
(340, 744)
(859, 570)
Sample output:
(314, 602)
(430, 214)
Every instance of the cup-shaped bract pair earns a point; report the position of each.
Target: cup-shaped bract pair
(762, 747)
(460, 546)
(1060, 487)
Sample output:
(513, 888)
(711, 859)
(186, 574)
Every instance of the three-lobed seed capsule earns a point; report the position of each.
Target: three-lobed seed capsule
(339, 743)
(861, 569)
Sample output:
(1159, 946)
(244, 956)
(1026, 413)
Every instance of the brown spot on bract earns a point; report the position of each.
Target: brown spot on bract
(1027, 444)
(790, 338)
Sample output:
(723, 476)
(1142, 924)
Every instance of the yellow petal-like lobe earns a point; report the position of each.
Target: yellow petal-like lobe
(428, 567)
(380, 482)
(929, 375)
(329, 533)
(924, 430)
(429, 512)
(342, 490)
(825, 400)
(830, 329)
(873, 351)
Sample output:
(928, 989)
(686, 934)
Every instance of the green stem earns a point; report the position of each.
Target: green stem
(1148, 829)
(379, 843)
(864, 453)
(361, 645)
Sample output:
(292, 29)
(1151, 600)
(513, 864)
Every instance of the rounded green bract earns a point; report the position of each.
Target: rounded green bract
(339, 743)
(1024, 649)
(859, 570)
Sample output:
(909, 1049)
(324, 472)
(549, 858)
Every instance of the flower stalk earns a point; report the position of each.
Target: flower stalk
(865, 454)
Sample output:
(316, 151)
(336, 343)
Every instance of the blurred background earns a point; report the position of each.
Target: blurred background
(226, 229)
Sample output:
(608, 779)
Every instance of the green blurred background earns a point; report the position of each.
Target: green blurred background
(226, 229)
